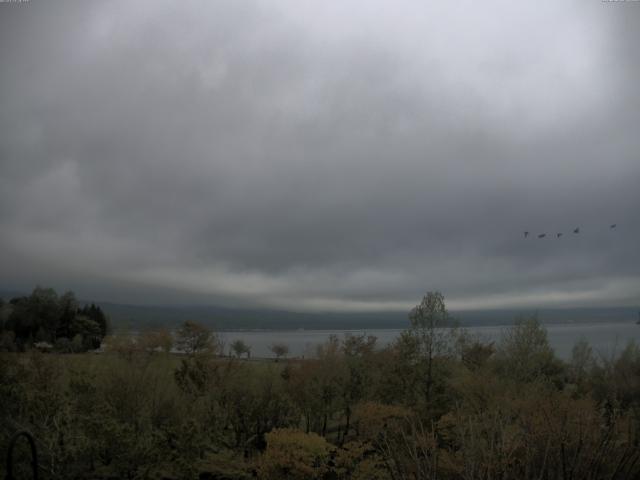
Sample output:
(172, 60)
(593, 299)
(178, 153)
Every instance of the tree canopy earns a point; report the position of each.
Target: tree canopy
(44, 317)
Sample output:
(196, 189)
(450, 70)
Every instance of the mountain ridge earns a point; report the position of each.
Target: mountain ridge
(229, 318)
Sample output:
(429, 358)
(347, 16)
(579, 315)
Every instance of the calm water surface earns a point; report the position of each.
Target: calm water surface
(605, 338)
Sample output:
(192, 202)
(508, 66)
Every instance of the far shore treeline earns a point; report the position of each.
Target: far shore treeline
(144, 317)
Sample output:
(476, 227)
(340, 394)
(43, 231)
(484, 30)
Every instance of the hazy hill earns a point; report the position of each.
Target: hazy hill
(232, 319)
(222, 318)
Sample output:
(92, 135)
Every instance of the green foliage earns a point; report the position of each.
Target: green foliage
(193, 338)
(292, 454)
(45, 317)
(279, 350)
(155, 341)
(524, 353)
(434, 340)
(435, 404)
(239, 348)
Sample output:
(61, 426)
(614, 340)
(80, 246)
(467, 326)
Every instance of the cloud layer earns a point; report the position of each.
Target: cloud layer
(309, 156)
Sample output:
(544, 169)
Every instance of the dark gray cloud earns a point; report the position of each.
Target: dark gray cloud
(305, 156)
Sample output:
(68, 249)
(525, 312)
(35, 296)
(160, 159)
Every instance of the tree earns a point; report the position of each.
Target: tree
(329, 378)
(525, 354)
(95, 313)
(153, 341)
(581, 362)
(430, 325)
(279, 350)
(240, 348)
(88, 330)
(44, 305)
(29, 314)
(45, 317)
(399, 368)
(4, 314)
(193, 338)
(357, 351)
(473, 351)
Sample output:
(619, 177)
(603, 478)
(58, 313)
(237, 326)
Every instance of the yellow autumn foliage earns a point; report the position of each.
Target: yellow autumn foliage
(293, 454)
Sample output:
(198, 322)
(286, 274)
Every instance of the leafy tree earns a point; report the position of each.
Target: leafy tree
(330, 377)
(374, 419)
(5, 310)
(303, 389)
(22, 321)
(431, 326)
(400, 370)
(615, 381)
(124, 345)
(44, 305)
(157, 340)
(195, 375)
(358, 351)
(69, 308)
(45, 317)
(292, 454)
(581, 363)
(35, 315)
(239, 347)
(193, 338)
(524, 354)
(474, 353)
(88, 330)
(279, 350)
(95, 313)
(315, 385)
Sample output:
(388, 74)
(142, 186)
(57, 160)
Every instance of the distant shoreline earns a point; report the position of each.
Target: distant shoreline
(399, 328)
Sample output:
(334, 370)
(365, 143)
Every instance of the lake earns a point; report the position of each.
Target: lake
(605, 338)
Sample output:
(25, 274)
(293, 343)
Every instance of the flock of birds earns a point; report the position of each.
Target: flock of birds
(575, 231)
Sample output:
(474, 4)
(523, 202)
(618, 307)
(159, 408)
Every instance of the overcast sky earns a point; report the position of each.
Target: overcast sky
(314, 155)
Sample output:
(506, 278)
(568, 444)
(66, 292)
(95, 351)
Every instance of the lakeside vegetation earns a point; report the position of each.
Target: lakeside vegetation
(50, 322)
(437, 403)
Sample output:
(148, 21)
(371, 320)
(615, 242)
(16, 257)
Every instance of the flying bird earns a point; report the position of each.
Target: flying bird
(526, 234)
(613, 226)
(542, 235)
(558, 235)
(577, 230)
